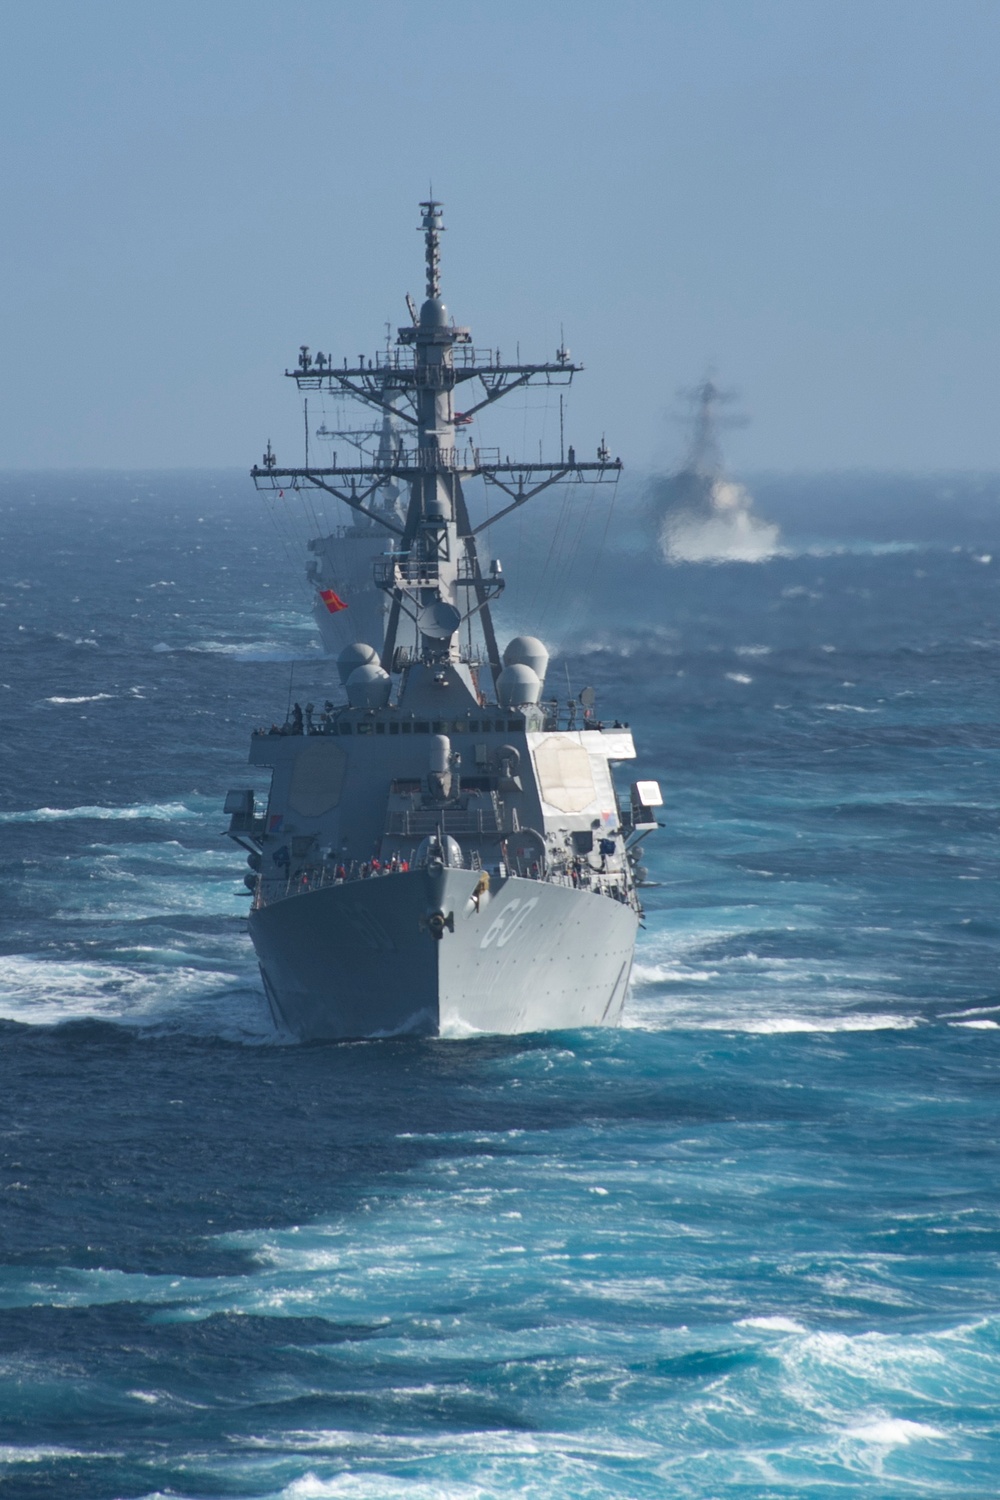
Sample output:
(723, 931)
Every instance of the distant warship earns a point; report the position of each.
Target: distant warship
(445, 851)
(347, 606)
(699, 514)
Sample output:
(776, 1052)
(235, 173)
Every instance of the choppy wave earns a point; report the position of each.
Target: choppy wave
(788, 1025)
(741, 1246)
(162, 990)
(157, 812)
(85, 698)
(244, 651)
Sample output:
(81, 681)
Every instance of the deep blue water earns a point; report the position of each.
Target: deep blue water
(747, 1246)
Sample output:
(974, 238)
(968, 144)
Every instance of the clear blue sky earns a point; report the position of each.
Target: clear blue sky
(799, 194)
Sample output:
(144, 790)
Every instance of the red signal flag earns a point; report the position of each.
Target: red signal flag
(333, 601)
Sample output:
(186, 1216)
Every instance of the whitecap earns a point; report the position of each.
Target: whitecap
(772, 1325)
(48, 992)
(91, 698)
(10, 1453)
(893, 1432)
(857, 549)
(247, 651)
(977, 1025)
(643, 974)
(739, 677)
(160, 812)
(789, 1025)
(377, 1487)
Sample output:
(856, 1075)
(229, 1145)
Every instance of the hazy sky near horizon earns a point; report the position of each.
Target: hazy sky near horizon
(800, 195)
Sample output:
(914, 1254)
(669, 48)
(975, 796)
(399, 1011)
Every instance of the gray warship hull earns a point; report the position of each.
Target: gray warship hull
(443, 850)
(358, 959)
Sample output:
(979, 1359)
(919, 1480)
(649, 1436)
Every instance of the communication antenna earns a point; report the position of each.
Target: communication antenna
(703, 401)
(433, 228)
(435, 561)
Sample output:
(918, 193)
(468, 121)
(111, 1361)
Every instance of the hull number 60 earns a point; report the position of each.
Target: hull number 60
(508, 921)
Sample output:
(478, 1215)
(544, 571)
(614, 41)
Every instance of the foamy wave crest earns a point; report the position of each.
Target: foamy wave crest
(249, 650)
(10, 1453)
(87, 698)
(772, 1325)
(49, 992)
(644, 975)
(859, 549)
(157, 812)
(893, 1432)
(380, 1487)
(782, 1025)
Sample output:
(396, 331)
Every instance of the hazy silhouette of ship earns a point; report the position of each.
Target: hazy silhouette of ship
(699, 514)
(347, 606)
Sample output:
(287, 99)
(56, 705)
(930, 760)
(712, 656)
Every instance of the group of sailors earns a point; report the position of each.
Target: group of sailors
(303, 720)
(369, 868)
(579, 873)
(337, 874)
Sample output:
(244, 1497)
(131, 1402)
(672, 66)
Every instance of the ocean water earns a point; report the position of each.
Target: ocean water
(746, 1246)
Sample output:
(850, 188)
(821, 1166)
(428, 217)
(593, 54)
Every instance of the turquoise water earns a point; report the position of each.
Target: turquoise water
(746, 1246)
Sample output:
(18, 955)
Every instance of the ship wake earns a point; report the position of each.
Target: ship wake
(718, 525)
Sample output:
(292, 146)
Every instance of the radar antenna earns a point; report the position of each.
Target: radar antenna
(433, 574)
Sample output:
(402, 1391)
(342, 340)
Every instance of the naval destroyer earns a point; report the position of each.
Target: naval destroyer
(445, 850)
(699, 514)
(346, 604)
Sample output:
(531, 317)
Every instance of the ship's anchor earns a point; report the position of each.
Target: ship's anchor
(436, 923)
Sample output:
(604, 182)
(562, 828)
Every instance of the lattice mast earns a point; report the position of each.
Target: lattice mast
(432, 572)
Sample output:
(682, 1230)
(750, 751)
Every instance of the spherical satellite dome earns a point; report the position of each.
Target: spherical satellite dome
(368, 687)
(356, 655)
(434, 314)
(517, 686)
(527, 651)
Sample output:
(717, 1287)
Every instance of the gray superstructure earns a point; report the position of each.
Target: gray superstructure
(445, 851)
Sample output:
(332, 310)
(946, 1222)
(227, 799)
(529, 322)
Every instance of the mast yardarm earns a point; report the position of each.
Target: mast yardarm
(432, 571)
